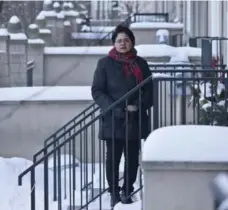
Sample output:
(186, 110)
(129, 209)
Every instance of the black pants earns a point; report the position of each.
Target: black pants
(115, 150)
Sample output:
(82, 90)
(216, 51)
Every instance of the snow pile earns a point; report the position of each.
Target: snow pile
(186, 143)
(44, 31)
(67, 23)
(40, 16)
(14, 20)
(56, 5)
(18, 197)
(33, 26)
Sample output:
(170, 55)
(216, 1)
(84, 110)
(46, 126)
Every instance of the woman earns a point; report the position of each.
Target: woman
(115, 75)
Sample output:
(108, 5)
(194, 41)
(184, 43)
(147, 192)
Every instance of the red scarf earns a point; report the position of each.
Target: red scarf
(129, 63)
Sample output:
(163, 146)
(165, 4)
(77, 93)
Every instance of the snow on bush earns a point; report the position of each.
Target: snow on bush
(210, 98)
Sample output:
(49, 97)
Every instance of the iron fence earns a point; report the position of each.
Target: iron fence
(139, 17)
(213, 49)
(150, 17)
(190, 97)
(176, 100)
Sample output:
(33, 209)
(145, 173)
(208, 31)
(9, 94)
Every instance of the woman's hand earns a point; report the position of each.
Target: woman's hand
(132, 108)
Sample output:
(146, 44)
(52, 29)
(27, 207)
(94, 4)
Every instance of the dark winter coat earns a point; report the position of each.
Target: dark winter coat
(110, 84)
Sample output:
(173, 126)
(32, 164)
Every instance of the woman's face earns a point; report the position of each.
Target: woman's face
(123, 43)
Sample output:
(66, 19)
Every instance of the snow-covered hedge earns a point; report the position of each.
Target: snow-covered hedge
(210, 98)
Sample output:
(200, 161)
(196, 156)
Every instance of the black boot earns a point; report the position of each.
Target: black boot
(115, 198)
(126, 198)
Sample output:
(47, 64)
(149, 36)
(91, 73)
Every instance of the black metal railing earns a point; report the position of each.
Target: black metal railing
(193, 97)
(150, 17)
(30, 67)
(178, 66)
(83, 186)
(71, 124)
(139, 17)
(78, 143)
(212, 48)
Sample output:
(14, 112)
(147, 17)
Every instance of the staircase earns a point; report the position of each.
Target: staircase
(67, 183)
(136, 17)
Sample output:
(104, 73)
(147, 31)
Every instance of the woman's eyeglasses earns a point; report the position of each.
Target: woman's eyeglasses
(126, 40)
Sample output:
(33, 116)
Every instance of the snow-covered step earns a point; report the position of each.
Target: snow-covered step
(104, 200)
(134, 206)
(100, 184)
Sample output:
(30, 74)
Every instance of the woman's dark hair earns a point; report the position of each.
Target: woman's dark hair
(123, 29)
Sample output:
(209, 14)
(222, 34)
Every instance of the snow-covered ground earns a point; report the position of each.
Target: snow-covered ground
(18, 197)
(15, 197)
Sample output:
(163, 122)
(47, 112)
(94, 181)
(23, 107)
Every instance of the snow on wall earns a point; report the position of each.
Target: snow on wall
(3, 32)
(187, 143)
(99, 50)
(18, 36)
(56, 93)
(103, 29)
(152, 50)
(156, 25)
(158, 50)
(44, 31)
(35, 41)
(88, 35)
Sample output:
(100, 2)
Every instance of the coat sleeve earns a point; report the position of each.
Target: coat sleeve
(147, 97)
(99, 91)
(147, 89)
